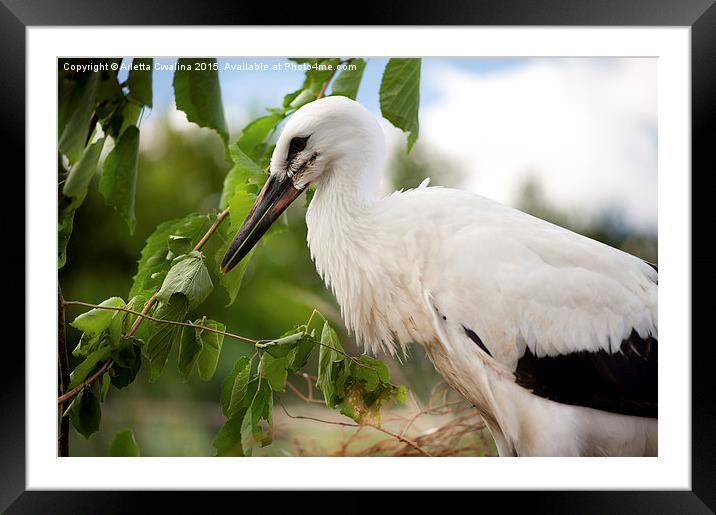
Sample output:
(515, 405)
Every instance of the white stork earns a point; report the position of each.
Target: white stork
(551, 335)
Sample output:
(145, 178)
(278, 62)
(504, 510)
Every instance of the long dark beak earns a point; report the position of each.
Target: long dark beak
(274, 198)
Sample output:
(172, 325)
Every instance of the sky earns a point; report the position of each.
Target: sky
(585, 129)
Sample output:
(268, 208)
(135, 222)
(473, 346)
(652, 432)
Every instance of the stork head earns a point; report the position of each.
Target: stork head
(322, 136)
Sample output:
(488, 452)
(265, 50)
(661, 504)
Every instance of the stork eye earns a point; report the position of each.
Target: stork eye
(297, 145)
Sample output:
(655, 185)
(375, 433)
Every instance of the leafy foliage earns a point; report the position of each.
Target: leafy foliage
(73, 194)
(357, 387)
(156, 257)
(171, 268)
(400, 96)
(201, 348)
(198, 94)
(85, 413)
(139, 81)
(189, 276)
(79, 110)
(88, 98)
(348, 80)
(119, 177)
(164, 336)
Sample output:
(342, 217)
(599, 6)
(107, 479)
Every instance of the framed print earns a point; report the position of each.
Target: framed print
(426, 259)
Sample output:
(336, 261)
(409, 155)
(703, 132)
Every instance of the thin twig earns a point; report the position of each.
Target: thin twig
(84, 384)
(148, 306)
(163, 321)
(212, 229)
(345, 424)
(300, 395)
(328, 81)
(309, 384)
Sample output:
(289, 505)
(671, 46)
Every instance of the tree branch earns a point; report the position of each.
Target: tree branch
(84, 384)
(328, 81)
(162, 321)
(63, 377)
(212, 229)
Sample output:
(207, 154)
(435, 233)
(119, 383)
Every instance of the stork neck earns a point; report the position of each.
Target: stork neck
(348, 186)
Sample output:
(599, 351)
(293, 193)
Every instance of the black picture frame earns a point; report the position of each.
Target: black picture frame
(699, 15)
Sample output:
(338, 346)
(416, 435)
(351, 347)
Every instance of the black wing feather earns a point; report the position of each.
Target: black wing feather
(623, 382)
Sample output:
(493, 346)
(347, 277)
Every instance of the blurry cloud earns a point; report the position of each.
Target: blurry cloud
(584, 129)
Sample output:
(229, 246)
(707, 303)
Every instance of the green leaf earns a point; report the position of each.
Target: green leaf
(320, 71)
(89, 343)
(261, 412)
(121, 376)
(274, 370)
(118, 184)
(139, 81)
(331, 353)
(189, 349)
(246, 435)
(83, 370)
(74, 192)
(244, 171)
(178, 245)
(210, 343)
(85, 413)
(234, 386)
(123, 444)
(303, 352)
(163, 336)
(190, 277)
(109, 92)
(127, 354)
(371, 371)
(236, 436)
(97, 320)
(65, 221)
(256, 132)
(364, 385)
(104, 388)
(296, 347)
(82, 172)
(348, 80)
(74, 134)
(198, 94)
(290, 97)
(281, 347)
(227, 440)
(129, 117)
(154, 261)
(400, 96)
(304, 97)
(238, 209)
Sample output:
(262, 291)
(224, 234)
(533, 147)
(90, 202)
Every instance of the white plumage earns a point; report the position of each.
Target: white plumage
(551, 335)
